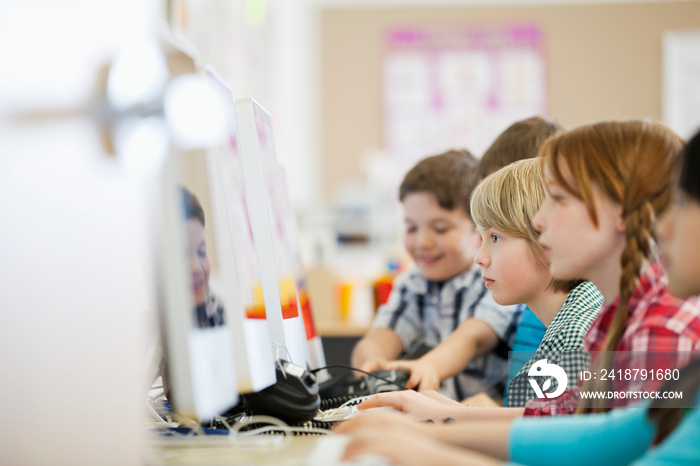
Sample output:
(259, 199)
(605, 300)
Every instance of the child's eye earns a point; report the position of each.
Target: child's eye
(495, 238)
(556, 196)
(441, 230)
(411, 229)
(202, 253)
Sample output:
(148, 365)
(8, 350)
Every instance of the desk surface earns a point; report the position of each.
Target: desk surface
(341, 329)
(219, 450)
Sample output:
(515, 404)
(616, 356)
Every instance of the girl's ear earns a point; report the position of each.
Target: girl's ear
(621, 221)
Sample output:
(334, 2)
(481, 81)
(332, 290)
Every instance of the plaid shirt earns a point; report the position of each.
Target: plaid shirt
(209, 314)
(562, 344)
(423, 312)
(661, 329)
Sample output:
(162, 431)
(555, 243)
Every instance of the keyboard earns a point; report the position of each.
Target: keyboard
(340, 410)
(329, 450)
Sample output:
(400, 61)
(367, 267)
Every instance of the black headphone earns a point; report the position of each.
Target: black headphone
(293, 398)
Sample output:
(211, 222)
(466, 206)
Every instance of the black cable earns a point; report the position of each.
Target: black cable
(319, 425)
(338, 401)
(297, 427)
(341, 366)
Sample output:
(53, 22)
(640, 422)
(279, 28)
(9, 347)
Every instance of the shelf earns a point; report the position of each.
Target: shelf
(341, 329)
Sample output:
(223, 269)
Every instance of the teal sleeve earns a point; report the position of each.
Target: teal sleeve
(616, 437)
(681, 447)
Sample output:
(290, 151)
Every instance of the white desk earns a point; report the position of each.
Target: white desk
(219, 450)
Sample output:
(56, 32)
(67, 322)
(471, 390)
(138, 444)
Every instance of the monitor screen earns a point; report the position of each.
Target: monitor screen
(196, 328)
(270, 232)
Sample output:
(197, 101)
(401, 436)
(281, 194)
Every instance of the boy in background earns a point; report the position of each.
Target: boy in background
(443, 290)
(521, 140)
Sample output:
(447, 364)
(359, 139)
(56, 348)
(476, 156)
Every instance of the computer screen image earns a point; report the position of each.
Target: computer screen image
(199, 373)
(279, 284)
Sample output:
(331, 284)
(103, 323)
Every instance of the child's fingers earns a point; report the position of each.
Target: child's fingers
(398, 365)
(428, 383)
(379, 400)
(414, 380)
(434, 395)
(372, 365)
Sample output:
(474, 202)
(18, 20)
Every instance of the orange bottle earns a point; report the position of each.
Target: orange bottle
(383, 285)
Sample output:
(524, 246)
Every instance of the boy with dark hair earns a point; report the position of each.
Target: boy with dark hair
(444, 289)
(521, 140)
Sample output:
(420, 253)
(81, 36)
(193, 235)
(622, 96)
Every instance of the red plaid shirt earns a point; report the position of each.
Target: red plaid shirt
(658, 322)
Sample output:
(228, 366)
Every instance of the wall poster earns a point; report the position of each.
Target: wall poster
(459, 87)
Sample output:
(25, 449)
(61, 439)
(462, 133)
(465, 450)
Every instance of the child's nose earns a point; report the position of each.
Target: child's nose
(481, 259)
(195, 265)
(425, 240)
(538, 221)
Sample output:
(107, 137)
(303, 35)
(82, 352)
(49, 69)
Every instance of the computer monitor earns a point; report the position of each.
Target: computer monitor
(255, 357)
(268, 222)
(199, 373)
(213, 352)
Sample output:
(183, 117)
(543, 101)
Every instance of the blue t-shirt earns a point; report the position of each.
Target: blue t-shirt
(528, 337)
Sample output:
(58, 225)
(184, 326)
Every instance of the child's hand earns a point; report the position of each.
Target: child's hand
(424, 406)
(402, 441)
(382, 420)
(373, 364)
(424, 376)
(390, 438)
(481, 400)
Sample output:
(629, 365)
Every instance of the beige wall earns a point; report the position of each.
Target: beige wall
(604, 62)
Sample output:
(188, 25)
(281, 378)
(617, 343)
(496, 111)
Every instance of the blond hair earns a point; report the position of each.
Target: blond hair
(508, 200)
(631, 163)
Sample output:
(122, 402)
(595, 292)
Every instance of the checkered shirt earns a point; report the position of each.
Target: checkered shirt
(562, 343)
(419, 311)
(661, 329)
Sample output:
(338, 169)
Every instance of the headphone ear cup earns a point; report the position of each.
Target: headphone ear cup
(291, 399)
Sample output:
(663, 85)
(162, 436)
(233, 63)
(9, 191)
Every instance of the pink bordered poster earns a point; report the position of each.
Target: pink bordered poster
(459, 87)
